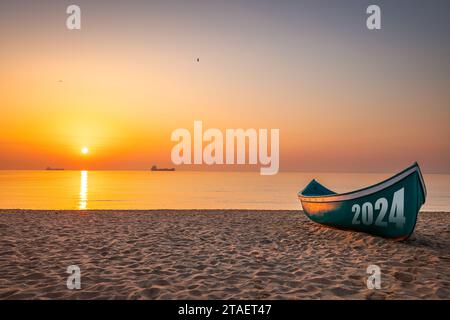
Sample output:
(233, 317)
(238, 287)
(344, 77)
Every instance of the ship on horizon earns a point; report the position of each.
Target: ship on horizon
(155, 168)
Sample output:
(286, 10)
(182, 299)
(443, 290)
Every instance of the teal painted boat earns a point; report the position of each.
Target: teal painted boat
(388, 209)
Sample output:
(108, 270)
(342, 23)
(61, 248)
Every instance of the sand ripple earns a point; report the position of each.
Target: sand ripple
(214, 255)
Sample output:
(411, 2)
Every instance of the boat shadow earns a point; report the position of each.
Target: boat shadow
(424, 240)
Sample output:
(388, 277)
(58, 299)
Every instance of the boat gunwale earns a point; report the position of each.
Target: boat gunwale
(352, 194)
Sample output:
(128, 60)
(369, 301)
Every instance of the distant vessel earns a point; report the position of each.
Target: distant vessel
(50, 169)
(155, 168)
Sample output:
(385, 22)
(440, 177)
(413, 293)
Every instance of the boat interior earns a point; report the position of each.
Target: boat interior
(314, 188)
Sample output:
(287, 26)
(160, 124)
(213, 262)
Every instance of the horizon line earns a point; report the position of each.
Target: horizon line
(240, 171)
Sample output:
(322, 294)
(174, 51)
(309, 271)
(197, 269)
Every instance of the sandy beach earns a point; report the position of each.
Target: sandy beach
(214, 254)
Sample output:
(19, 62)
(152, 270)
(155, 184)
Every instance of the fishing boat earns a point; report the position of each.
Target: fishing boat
(388, 209)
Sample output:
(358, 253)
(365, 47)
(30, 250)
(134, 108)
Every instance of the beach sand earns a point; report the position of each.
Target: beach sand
(214, 254)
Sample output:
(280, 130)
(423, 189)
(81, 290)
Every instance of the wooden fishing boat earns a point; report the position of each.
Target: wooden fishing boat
(388, 209)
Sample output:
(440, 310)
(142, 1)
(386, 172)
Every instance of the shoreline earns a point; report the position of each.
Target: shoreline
(214, 254)
(216, 210)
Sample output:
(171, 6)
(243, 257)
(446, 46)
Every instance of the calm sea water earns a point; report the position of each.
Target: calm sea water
(183, 190)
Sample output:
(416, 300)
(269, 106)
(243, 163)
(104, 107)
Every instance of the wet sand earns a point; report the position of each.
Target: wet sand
(214, 254)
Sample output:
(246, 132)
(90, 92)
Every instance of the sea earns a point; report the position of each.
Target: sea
(136, 190)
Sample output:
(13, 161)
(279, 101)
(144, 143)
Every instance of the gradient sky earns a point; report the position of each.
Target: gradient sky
(344, 98)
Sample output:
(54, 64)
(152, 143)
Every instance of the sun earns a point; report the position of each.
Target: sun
(84, 150)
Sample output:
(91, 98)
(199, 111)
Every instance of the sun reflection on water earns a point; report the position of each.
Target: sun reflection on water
(83, 190)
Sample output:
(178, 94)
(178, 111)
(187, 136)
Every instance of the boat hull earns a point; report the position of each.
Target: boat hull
(389, 211)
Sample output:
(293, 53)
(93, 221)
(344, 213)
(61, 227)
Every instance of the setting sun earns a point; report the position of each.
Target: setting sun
(84, 150)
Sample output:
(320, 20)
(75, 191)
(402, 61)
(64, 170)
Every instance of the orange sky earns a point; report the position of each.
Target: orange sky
(344, 99)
